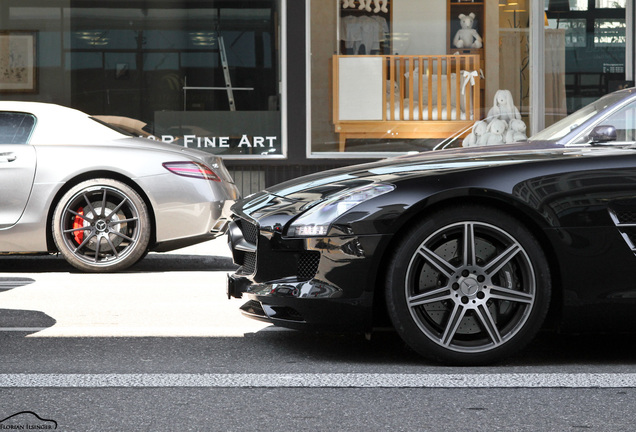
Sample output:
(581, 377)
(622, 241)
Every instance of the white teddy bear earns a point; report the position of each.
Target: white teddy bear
(467, 36)
(348, 4)
(473, 138)
(380, 5)
(503, 107)
(516, 131)
(495, 134)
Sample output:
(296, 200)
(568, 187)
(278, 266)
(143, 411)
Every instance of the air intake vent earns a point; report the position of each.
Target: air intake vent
(308, 265)
(249, 264)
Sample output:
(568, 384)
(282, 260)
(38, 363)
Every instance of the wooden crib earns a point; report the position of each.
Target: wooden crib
(407, 97)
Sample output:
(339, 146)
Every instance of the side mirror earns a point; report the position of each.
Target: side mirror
(603, 134)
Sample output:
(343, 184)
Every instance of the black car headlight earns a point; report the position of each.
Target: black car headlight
(318, 218)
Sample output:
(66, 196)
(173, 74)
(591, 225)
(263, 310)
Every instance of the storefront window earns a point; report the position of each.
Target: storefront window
(618, 4)
(392, 77)
(574, 5)
(609, 32)
(595, 34)
(203, 74)
(583, 5)
(574, 30)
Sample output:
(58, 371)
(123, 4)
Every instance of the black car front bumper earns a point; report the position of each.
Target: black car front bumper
(311, 283)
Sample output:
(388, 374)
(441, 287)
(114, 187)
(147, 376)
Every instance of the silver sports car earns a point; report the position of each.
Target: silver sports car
(73, 185)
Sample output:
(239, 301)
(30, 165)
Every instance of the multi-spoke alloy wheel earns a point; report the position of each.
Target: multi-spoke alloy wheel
(101, 225)
(468, 289)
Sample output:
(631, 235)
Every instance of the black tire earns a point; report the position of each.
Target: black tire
(468, 305)
(101, 225)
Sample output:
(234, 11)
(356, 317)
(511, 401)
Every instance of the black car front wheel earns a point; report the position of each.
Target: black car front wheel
(468, 285)
(101, 225)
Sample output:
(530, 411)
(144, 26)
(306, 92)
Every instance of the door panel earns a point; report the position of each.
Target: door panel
(17, 170)
(17, 165)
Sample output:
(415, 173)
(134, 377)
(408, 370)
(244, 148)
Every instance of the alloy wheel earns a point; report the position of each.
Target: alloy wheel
(470, 286)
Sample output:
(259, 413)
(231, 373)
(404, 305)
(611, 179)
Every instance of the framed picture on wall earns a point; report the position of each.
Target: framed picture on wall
(18, 62)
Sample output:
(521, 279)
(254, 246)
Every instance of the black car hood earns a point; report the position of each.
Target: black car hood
(314, 186)
(291, 197)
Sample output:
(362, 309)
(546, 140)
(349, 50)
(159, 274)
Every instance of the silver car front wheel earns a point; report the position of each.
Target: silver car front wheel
(469, 285)
(101, 225)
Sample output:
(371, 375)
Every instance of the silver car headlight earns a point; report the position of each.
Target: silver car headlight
(317, 219)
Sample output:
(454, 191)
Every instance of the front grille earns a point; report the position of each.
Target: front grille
(308, 265)
(305, 264)
(250, 231)
(626, 217)
(244, 239)
(249, 264)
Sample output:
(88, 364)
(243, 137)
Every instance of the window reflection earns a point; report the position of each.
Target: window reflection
(209, 73)
(609, 32)
(574, 31)
(611, 4)
(595, 42)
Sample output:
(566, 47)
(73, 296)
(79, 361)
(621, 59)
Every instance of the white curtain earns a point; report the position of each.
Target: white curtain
(514, 73)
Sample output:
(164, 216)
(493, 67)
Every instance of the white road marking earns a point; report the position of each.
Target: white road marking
(327, 380)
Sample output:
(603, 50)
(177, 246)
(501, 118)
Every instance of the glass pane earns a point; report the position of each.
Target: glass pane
(609, 33)
(398, 76)
(574, 30)
(162, 64)
(625, 123)
(161, 61)
(562, 6)
(611, 4)
(15, 128)
(594, 49)
(581, 5)
(201, 77)
(514, 71)
(165, 39)
(578, 5)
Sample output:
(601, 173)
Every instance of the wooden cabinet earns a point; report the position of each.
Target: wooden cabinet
(454, 10)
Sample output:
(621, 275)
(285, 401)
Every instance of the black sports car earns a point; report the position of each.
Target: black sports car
(466, 250)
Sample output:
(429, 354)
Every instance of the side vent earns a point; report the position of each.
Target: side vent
(625, 221)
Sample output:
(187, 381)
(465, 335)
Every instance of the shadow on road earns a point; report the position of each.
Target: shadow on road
(386, 347)
(152, 263)
(8, 283)
(175, 263)
(22, 323)
(294, 352)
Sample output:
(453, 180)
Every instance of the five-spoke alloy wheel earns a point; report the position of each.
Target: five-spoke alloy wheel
(101, 225)
(469, 285)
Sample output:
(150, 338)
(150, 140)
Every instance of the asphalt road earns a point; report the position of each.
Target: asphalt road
(161, 348)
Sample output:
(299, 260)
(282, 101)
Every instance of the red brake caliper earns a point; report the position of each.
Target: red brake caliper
(79, 223)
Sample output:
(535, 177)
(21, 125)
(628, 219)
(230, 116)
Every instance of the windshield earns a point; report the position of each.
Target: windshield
(571, 122)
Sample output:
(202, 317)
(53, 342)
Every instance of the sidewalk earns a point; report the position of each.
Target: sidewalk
(217, 247)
